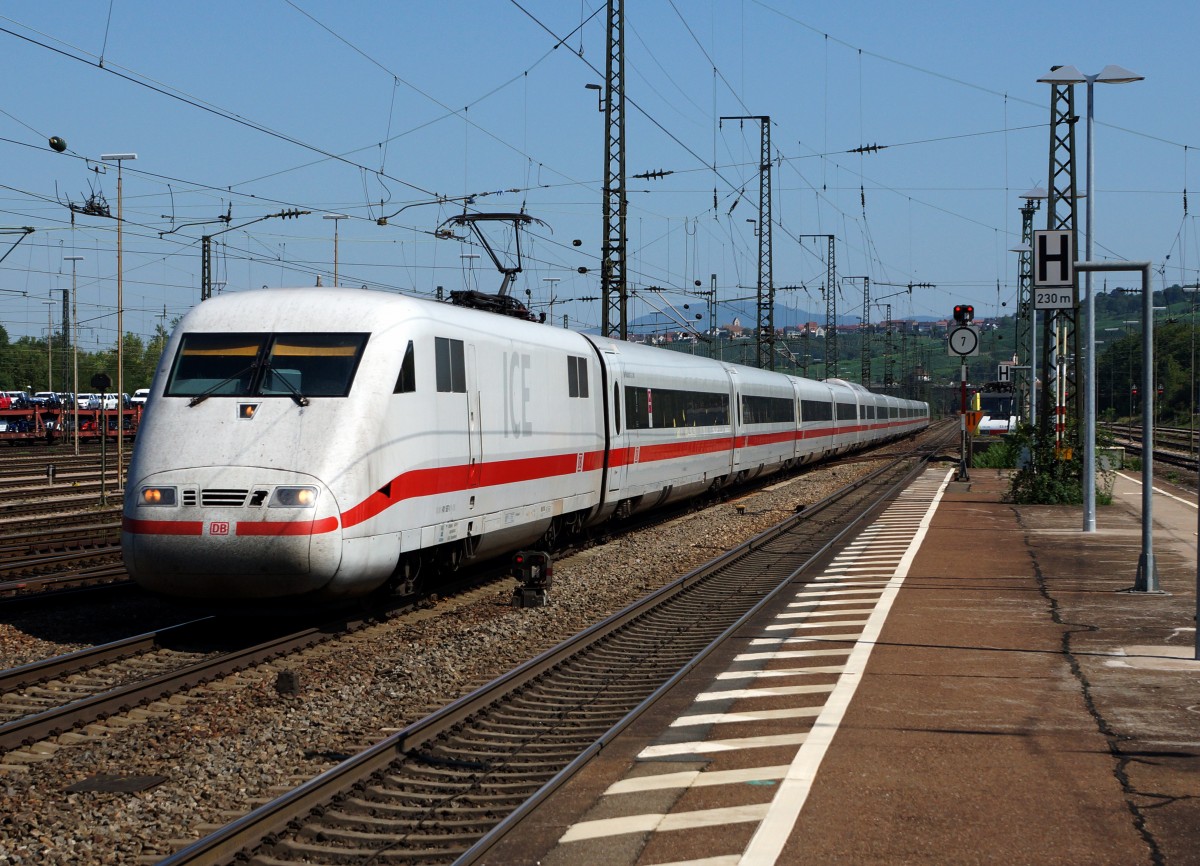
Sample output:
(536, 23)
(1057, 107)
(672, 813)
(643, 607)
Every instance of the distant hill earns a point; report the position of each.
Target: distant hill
(747, 312)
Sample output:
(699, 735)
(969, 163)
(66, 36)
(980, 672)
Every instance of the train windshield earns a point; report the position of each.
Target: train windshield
(265, 365)
(996, 404)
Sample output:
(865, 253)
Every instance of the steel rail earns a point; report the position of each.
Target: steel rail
(48, 669)
(87, 710)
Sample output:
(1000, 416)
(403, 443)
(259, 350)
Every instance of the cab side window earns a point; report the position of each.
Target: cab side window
(577, 377)
(406, 382)
(451, 368)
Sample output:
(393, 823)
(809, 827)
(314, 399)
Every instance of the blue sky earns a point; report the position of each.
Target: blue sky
(364, 108)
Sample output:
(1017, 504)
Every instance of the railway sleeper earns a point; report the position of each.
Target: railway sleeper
(612, 691)
(507, 733)
(465, 832)
(604, 703)
(466, 817)
(527, 767)
(516, 728)
(409, 778)
(518, 791)
(524, 748)
(519, 754)
(311, 852)
(527, 716)
(400, 803)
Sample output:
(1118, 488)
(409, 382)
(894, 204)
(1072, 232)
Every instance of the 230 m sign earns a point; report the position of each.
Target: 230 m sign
(1053, 299)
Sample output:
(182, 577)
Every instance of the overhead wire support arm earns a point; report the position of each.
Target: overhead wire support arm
(206, 244)
(25, 231)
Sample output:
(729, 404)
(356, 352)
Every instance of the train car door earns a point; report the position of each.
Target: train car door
(618, 437)
(735, 422)
(474, 422)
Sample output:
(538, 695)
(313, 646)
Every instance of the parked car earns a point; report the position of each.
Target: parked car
(88, 401)
(140, 396)
(20, 399)
(46, 399)
(110, 401)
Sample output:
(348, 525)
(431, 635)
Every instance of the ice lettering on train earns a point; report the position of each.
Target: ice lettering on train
(516, 395)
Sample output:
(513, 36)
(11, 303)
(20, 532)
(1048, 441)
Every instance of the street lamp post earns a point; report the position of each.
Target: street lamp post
(119, 159)
(75, 348)
(49, 344)
(335, 217)
(1108, 75)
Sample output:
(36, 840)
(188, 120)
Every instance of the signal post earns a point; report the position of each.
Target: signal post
(963, 341)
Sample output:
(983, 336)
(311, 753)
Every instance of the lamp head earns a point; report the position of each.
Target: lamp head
(1117, 75)
(1063, 75)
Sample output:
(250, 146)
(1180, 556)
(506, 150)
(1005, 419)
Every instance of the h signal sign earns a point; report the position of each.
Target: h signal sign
(1053, 259)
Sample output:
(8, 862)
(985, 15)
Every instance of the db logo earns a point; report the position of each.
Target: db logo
(218, 527)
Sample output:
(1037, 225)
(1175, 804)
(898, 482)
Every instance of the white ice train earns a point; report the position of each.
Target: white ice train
(323, 443)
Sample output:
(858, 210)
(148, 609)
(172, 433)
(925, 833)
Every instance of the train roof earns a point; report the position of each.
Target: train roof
(344, 309)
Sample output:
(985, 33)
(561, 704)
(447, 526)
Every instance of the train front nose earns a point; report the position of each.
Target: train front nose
(231, 533)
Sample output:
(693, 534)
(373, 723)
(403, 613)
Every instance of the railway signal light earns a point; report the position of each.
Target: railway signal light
(964, 314)
(536, 573)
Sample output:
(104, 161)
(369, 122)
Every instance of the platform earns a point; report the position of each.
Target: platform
(968, 682)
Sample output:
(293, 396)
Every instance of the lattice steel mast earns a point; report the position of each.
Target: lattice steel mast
(1026, 381)
(766, 285)
(831, 342)
(613, 287)
(1060, 340)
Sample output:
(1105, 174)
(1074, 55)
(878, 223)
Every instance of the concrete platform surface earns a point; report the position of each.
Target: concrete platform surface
(968, 682)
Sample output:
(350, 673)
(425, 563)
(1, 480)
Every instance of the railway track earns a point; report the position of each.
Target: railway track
(447, 787)
(1174, 446)
(74, 561)
(51, 697)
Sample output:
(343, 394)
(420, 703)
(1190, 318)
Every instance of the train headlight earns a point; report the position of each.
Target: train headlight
(157, 496)
(294, 497)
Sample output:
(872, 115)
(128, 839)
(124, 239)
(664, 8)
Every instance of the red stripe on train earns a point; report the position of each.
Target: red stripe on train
(283, 527)
(162, 527)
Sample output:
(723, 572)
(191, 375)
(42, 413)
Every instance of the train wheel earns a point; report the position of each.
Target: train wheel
(573, 523)
(550, 538)
(409, 578)
(449, 557)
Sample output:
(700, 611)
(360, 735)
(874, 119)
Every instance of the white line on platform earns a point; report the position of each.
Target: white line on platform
(696, 779)
(772, 834)
(766, 692)
(747, 716)
(649, 823)
(708, 747)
